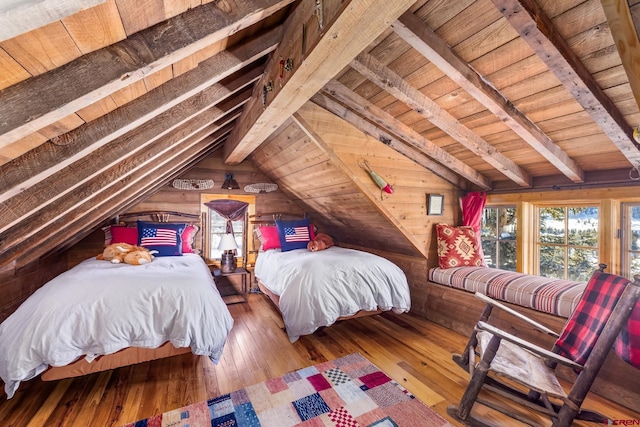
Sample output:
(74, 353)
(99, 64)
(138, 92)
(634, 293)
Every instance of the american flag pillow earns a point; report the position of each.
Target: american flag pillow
(294, 234)
(165, 238)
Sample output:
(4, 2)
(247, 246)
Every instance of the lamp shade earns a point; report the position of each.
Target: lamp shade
(227, 243)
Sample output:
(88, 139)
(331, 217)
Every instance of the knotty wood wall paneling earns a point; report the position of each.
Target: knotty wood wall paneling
(42, 49)
(137, 15)
(411, 183)
(11, 71)
(171, 199)
(15, 288)
(339, 208)
(96, 27)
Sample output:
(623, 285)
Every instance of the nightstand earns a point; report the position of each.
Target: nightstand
(227, 286)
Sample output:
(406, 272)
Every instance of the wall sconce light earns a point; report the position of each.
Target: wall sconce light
(230, 183)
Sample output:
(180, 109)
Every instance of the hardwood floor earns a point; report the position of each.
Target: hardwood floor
(414, 351)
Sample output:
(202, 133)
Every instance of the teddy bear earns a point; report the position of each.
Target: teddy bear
(320, 242)
(124, 252)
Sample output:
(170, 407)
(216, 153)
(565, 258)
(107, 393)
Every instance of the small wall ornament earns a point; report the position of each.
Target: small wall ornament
(380, 182)
(192, 184)
(435, 204)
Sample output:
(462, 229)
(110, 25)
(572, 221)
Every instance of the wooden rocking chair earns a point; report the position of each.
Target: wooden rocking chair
(525, 373)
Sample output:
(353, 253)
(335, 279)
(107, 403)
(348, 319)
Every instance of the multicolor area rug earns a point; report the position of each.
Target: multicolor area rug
(346, 392)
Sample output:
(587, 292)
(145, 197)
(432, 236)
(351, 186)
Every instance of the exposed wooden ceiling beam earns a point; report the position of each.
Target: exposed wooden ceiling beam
(608, 178)
(148, 140)
(112, 182)
(538, 31)
(389, 139)
(101, 73)
(625, 36)
(384, 120)
(432, 47)
(91, 213)
(19, 16)
(47, 159)
(317, 55)
(388, 80)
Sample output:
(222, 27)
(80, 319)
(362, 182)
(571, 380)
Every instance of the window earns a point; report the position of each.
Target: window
(217, 225)
(567, 246)
(499, 237)
(630, 239)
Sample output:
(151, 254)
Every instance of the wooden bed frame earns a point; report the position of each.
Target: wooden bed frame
(130, 355)
(124, 357)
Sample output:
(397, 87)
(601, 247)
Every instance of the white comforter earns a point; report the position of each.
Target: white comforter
(99, 308)
(316, 288)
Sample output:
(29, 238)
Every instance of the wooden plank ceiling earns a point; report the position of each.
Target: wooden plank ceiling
(104, 102)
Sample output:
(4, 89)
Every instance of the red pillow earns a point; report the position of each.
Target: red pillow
(458, 247)
(124, 235)
(188, 239)
(269, 237)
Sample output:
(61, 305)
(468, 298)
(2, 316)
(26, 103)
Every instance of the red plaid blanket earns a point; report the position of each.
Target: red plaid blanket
(590, 316)
(628, 343)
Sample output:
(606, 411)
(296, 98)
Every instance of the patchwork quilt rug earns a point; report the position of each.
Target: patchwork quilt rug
(346, 392)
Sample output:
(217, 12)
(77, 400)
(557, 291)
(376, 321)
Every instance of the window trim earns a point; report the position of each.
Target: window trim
(497, 240)
(624, 236)
(566, 205)
(204, 210)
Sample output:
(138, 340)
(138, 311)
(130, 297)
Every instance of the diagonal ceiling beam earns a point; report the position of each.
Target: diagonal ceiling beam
(349, 27)
(384, 120)
(389, 139)
(103, 72)
(115, 179)
(204, 81)
(146, 140)
(92, 213)
(538, 31)
(388, 80)
(625, 36)
(432, 47)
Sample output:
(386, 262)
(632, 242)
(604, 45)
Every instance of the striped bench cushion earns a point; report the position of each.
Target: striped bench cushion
(555, 296)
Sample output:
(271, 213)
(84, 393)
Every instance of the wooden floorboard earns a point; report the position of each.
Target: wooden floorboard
(413, 351)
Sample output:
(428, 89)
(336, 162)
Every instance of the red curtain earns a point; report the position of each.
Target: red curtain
(472, 209)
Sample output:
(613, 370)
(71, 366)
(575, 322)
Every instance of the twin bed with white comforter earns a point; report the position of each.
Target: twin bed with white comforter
(315, 289)
(98, 308)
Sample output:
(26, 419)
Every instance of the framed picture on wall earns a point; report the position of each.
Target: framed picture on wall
(435, 204)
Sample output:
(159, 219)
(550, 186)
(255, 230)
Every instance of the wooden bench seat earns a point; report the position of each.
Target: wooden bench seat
(553, 296)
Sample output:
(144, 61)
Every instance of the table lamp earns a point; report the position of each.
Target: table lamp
(228, 259)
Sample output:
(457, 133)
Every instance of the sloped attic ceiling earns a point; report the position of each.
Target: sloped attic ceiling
(105, 102)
